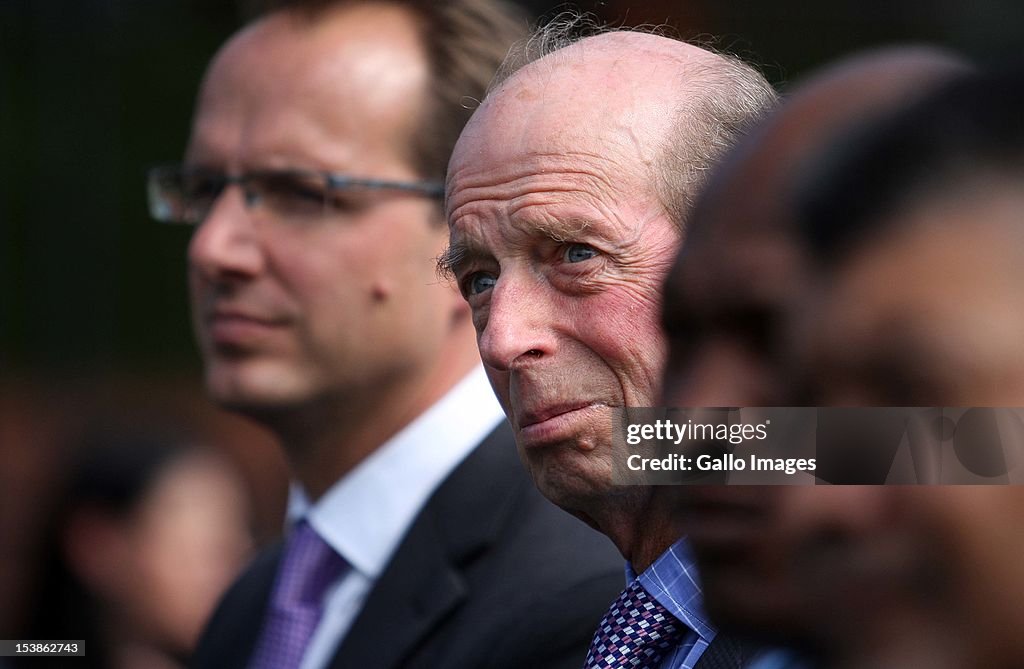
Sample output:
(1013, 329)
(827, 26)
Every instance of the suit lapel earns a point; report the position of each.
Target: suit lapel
(232, 633)
(255, 608)
(724, 652)
(423, 584)
(417, 590)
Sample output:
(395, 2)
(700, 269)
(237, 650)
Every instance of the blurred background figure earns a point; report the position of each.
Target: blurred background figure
(774, 559)
(743, 268)
(313, 179)
(917, 232)
(149, 531)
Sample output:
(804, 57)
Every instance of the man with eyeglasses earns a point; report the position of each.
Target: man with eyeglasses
(313, 176)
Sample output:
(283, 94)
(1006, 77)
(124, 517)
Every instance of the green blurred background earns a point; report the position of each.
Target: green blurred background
(93, 91)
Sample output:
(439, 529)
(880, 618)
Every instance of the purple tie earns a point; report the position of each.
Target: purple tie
(636, 632)
(308, 567)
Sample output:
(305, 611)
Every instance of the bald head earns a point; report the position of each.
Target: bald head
(668, 107)
(567, 195)
(603, 67)
(558, 102)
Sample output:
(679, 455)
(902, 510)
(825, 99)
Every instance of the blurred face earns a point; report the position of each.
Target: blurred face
(970, 537)
(165, 565)
(559, 245)
(287, 314)
(191, 540)
(726, 303)
(776, 558)
(928, 315)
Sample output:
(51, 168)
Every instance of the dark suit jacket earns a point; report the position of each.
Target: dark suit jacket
(490, 575)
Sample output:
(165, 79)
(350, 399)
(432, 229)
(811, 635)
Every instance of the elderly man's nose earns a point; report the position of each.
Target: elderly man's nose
(517, 330)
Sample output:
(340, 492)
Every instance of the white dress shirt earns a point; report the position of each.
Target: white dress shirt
(365, 515)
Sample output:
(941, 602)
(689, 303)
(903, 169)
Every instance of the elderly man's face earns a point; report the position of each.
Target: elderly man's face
(348, 305)
(559, 244)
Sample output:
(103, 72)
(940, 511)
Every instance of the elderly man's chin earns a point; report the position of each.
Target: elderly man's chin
(575, 474)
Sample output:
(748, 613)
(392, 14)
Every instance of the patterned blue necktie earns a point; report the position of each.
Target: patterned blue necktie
(636, 633)
(308, 567)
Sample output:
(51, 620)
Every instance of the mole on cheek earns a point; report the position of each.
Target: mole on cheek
(380, 292)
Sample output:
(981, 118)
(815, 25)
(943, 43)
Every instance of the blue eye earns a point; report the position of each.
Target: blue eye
(579, 252)
(479, 282)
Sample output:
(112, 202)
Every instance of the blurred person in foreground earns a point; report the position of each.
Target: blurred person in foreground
(147, 534)
(917, 233)
(568, 195)
(314, 176)
(773, 560)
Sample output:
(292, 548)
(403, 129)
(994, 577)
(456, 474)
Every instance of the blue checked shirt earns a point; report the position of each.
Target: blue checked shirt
(672, 581)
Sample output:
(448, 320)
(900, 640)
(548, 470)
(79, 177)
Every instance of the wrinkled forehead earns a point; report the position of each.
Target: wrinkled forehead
(538, 119)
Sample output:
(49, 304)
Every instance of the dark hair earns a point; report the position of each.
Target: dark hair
(111, 469)
(465, 42)
(968, 132)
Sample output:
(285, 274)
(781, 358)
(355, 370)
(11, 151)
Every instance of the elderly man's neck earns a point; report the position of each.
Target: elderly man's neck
(642, 526)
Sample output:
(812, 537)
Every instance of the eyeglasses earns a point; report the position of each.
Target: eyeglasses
(181, 194)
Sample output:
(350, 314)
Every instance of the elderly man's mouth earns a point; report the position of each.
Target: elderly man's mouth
(557, 423)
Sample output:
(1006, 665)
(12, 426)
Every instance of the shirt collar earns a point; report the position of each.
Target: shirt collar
(365, 514)
(672, 581)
